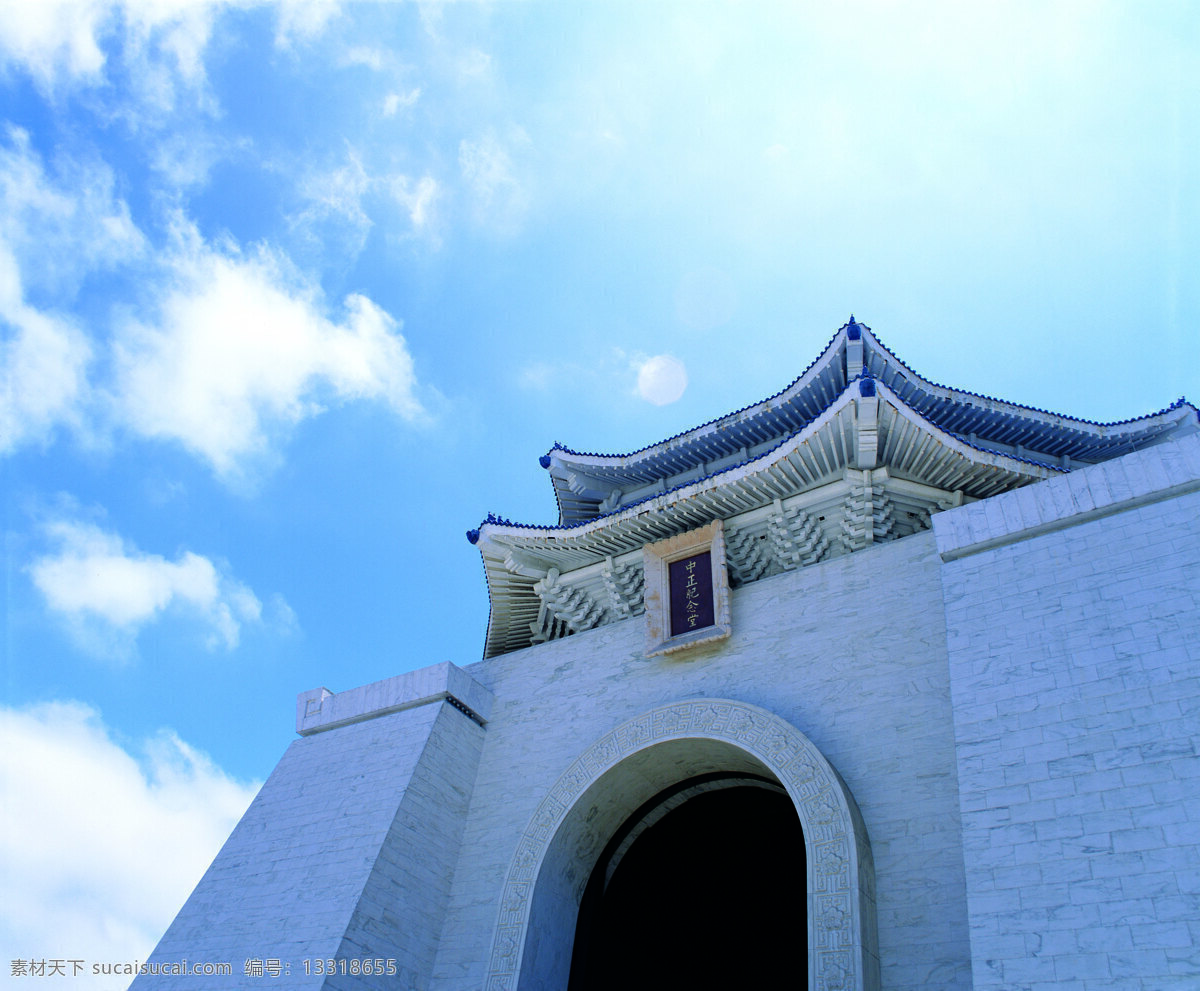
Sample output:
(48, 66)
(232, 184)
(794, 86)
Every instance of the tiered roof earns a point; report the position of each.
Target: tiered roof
(858, 449)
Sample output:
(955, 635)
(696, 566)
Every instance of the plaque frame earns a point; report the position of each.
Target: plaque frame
(656, 559)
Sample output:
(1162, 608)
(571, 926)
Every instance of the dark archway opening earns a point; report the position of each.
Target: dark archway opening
(710, 893)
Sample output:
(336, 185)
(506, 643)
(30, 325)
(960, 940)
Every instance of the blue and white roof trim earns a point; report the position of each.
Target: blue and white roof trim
(857, 451)
(587, 484)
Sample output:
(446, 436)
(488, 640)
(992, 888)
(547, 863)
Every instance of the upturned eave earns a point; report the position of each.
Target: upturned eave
(588, 485)
(855, 436)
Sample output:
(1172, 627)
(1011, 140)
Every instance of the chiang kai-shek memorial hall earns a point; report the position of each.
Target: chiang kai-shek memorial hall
(873, 684)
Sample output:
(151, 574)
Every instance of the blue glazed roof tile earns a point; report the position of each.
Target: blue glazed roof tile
(955, 412)
(979, 421)
(492, 519)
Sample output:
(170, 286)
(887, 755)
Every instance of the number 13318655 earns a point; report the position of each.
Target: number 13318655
(352, 965)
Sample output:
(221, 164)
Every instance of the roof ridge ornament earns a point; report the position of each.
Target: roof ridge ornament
(904, 445)
(490, 520)
(866, 383)
(590, 486)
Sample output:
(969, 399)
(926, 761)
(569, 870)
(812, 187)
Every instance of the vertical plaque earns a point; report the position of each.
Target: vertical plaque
(690, 582)
(687, 590)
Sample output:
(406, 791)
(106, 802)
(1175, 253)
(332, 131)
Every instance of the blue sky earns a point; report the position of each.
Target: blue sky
(291, 296)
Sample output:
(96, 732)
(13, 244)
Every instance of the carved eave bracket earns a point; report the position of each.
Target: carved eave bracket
(868, 470)
(846, 514)
(588, 597)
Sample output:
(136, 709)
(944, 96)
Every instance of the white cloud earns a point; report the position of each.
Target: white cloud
(590, 374)
(54, 39)
(473, 63)
(100, 846)
(241, 349)
(62, 43)
(395, 102)
(185, 159)
(303, 20)
(417, 198)
(178, 30)
(232, 348)
(43, 360)
(661, 379)
(334, 217)
(366, 56)
(499, 199)
(62, 227)
(52, 233)
(108, 591)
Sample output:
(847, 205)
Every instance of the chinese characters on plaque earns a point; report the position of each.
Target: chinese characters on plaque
(686, 590)
(691, 590)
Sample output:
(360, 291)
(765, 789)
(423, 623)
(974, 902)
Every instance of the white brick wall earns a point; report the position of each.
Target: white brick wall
(1013, 700)
(851, 652)
(1075, 664)
(347, 851)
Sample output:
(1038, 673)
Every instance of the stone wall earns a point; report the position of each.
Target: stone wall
(1011, 700)
(346, 852)
(850, 652)
(1075, 661)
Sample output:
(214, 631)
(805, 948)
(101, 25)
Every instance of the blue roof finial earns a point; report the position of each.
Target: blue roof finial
(853, 329)
(544, 460)
(866, 384)
(473, 536)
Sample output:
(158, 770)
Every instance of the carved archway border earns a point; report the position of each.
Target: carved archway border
(841, 880)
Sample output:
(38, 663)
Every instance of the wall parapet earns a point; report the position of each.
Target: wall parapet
(1137, 479)
(319, 709)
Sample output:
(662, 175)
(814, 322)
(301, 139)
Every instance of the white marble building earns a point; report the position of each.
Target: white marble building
(935, 726)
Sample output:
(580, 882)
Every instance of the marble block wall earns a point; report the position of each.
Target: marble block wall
(1011, 699)
(346, 853)
(851, 652)
(1073, 622)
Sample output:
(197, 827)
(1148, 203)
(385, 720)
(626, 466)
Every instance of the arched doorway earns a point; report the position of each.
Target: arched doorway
(698, 890)
(602, 789)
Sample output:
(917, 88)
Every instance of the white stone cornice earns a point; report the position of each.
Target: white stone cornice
(806, 500)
